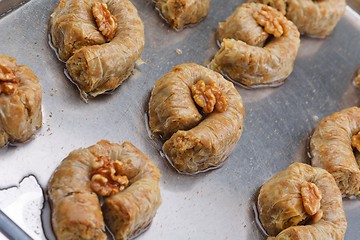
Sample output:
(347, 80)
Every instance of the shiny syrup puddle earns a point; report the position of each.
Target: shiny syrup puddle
(256, 214)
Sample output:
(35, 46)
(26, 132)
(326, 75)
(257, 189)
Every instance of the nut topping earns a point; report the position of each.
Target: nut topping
(105, 21)
(209, 96)
(311, 197)
(316, 218)
(355, 141)
(271, 20)
(8, 80)
(107, 179)
(6, 74)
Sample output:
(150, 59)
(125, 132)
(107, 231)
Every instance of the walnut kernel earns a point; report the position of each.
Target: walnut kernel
(106, 22)
(355, 141)
(271, 20)
(209, 96)
(8, 80)
(316, 218)
(311, 197)
(6, 74)
(107, 178)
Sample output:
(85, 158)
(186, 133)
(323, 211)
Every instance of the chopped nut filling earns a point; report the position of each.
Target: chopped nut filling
(271, 20)
(8, 80)
(311, 197)
(209, 96)
(107, 179)
(355, 141)
(105, 21)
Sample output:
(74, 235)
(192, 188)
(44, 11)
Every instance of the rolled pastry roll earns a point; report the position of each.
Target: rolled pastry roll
(99, 40)
(72, 26)
(179, 13)
(258, 46)
(121, 174)
(317, 18)
(200, 112)
(334, 145)
(302, 203)
(20, 102)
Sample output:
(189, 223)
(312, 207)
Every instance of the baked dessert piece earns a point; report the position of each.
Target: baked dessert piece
(179, 13)
(199, 113)
(302, 202)
(100, 41)
(258, 46)
(123, 176)
(333, 146)
(20, 102)
(317, 18)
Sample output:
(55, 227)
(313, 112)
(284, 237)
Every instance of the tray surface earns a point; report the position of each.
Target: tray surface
(213, 205)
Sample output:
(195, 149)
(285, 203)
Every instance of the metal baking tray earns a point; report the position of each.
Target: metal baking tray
(7, 6)
(212, 205)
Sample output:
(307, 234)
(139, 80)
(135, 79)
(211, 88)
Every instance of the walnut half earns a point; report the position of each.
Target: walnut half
(311, 197)
(106, 22)
(271, 20)
(8, 80)
(107, 179)
(209, 96)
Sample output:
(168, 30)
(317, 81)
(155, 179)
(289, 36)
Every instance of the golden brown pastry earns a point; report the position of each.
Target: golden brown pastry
(302, 203)
(20, 102)
(179, 13)
(258, 46)
(317, 18)
(333, 146)
(99, 40)
(200, 112)
(121, 174)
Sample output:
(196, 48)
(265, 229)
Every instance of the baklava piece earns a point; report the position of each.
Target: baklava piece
(126, 180)
(302, 203)
(179, 13)
(20, 102)
(258, 46)
(316, 18)
(100, 42)
(199, 113)
(335, 146)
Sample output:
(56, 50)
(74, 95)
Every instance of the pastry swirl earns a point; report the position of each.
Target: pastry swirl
(197, 140)
(179, 13)
(333, 147)
(20, 102)
(317, 18)
(95, 64)
(302, 202)
(258, 46)
(76, 210)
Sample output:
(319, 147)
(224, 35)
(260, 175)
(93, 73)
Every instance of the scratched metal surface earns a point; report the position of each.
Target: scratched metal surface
(213, 205)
